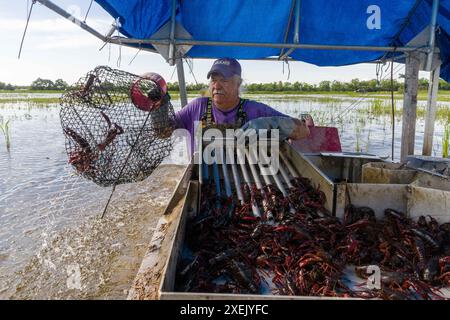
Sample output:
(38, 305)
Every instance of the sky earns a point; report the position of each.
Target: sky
(56, 48)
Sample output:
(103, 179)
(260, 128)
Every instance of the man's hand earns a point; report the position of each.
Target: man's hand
(301, 130)
(288, 127)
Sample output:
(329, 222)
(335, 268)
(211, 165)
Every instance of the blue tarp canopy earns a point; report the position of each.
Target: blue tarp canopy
(322, 22)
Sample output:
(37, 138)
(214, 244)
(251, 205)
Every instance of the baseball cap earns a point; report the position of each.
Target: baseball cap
(227, 67)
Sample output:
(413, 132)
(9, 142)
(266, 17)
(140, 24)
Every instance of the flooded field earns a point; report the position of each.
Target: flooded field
(53, 244)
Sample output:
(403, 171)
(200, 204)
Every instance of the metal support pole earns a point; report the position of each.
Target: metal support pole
(181, 82)
(297, 29)
(271, 45)
(172, 34)
(430, 116)
(297, 21)
(410, 105)
(292, 45)
(288, 27)
(431, 41)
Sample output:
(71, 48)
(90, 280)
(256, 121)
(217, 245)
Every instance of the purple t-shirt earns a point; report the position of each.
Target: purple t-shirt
(195, 109)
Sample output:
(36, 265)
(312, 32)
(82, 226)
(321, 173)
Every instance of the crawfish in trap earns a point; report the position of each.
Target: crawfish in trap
(84, 156)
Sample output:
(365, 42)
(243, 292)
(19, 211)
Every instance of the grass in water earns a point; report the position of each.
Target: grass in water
(358, 139)
(445, 141)
(5, 128)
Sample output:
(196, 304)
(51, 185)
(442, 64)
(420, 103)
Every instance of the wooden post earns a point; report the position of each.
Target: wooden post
(430, 116)
(181, 82)
(410, 105)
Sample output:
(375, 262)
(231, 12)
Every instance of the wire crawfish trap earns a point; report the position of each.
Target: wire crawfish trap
(117, 125)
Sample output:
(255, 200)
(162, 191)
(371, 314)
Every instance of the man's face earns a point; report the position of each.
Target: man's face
(225, 91)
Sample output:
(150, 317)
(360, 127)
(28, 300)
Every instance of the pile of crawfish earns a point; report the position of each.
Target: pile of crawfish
(298, 248)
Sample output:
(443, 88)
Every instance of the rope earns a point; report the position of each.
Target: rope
(125, 163)
(134, 56)
(173, 72)
(361, 98)
(26, 27)
(289, 67)
(89, 9)
(119, 58)
(191, 68)
(379, 72)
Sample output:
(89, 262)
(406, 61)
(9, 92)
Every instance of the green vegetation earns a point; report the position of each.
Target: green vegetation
(355, 86)
(378, 107)
(7, 86)
(37, 85)
(45, 84)
(445, 141)
(5, 128)
(358, 139)
(31, 100)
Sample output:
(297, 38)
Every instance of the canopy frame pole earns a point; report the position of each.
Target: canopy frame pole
(410, 105)
(275, 45)
(123, 40)
(172, 35)
(431, 41)
(286, 33)
(430, 116)
(181, 82)
(106, 39)
(297, 28)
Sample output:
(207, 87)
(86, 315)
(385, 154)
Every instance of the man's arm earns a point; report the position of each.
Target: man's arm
(298, 128)
(287, 127)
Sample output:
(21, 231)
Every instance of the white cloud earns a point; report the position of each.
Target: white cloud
(52, 33)
(54, 25)
(68, 41)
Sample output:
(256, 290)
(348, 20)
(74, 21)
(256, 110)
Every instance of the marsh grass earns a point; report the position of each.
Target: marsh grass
(5, 128)
(445, 141)
(358, 138)
(37, 101)
(378, 107)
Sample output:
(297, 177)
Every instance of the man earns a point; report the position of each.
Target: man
(226, 108)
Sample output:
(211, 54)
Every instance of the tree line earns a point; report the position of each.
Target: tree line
(38, 84)
(354, 85)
